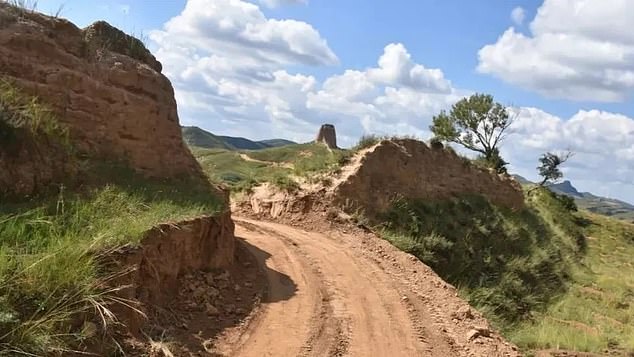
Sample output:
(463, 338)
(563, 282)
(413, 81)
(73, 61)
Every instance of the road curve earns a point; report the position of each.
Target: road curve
(324, 300)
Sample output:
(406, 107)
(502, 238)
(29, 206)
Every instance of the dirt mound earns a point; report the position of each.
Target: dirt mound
(104, 86)
(377, 175)
(410, 169)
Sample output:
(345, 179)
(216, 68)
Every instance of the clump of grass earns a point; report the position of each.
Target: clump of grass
(20, 111)
(286, 183)
(49, 252)
(367, 141)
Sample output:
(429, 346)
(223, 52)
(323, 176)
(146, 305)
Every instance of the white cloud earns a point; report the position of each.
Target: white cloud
(603, 143)
(276, 3)
(577, 49)
(397, 67)
(517, 15)
(232, 82)
(239, 28)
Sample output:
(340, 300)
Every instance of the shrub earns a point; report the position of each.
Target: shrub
(367, 141)
(286, 183)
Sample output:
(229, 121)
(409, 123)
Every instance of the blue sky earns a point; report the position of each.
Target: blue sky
(386, 67)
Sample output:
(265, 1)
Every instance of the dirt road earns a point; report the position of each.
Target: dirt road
(333, 294)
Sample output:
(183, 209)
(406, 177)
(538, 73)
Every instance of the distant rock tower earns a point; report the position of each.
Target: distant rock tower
(327, 135)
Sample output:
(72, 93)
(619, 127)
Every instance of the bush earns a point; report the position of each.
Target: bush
(286, 183)
(367, 141)
(566, 201)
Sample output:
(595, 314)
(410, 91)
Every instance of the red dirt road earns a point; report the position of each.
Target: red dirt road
(342, 294)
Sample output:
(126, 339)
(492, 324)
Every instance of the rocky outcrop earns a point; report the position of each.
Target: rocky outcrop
(103, 85)
(153, 271)
(411, 169)
(327, 135)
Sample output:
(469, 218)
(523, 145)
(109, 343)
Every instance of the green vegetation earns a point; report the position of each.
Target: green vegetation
(243, 170)
(548, 276)
(200, 138)
(50, 248)
(508, 264)
(51, 245)
(21, 112)
(478, 124)
(596, 313)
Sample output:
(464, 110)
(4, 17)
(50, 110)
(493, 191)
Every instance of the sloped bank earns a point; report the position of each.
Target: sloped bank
(409, 168)
(152, 271)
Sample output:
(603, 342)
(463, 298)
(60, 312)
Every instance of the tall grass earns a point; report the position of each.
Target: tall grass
(50, 250)
(596, 313)
(509, 264)
(18, 110)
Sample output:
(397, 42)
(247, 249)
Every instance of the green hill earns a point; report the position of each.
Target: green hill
(585, 200)
(195, 136)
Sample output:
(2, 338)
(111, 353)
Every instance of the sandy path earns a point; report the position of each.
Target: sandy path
(343, 304)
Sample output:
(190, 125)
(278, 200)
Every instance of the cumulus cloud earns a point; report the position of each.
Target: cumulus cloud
(603, 143)
(229, 80)
(517, 15)
(239, 28)
(276, 3)
(576, 49)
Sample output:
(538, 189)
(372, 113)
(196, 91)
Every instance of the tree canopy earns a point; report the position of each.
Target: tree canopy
(549, 166)
(478, 123)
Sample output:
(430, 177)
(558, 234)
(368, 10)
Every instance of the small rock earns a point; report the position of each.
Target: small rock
(240, 311)
(477, 332)
(236, 287)
(248, 284)
(463, 313)
(199, 293)
(230, 308)
(404, 298)
(483, 331)
(472, 334)
(184, 326)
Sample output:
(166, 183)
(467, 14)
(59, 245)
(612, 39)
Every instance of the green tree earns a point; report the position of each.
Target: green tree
(477, 123)
(549, 166)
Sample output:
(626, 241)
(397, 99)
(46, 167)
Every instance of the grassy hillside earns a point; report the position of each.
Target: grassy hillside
(547, 276)
(198, 137)
(585, 200)
(50, 245)
(508, 264)
(241, 170)
(596, 313)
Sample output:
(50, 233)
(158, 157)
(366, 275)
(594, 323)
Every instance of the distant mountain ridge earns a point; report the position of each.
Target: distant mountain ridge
(593, 203)
(195, 136)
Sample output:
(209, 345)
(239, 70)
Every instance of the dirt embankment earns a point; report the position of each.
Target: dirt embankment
(411, 169)
(101, 84)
